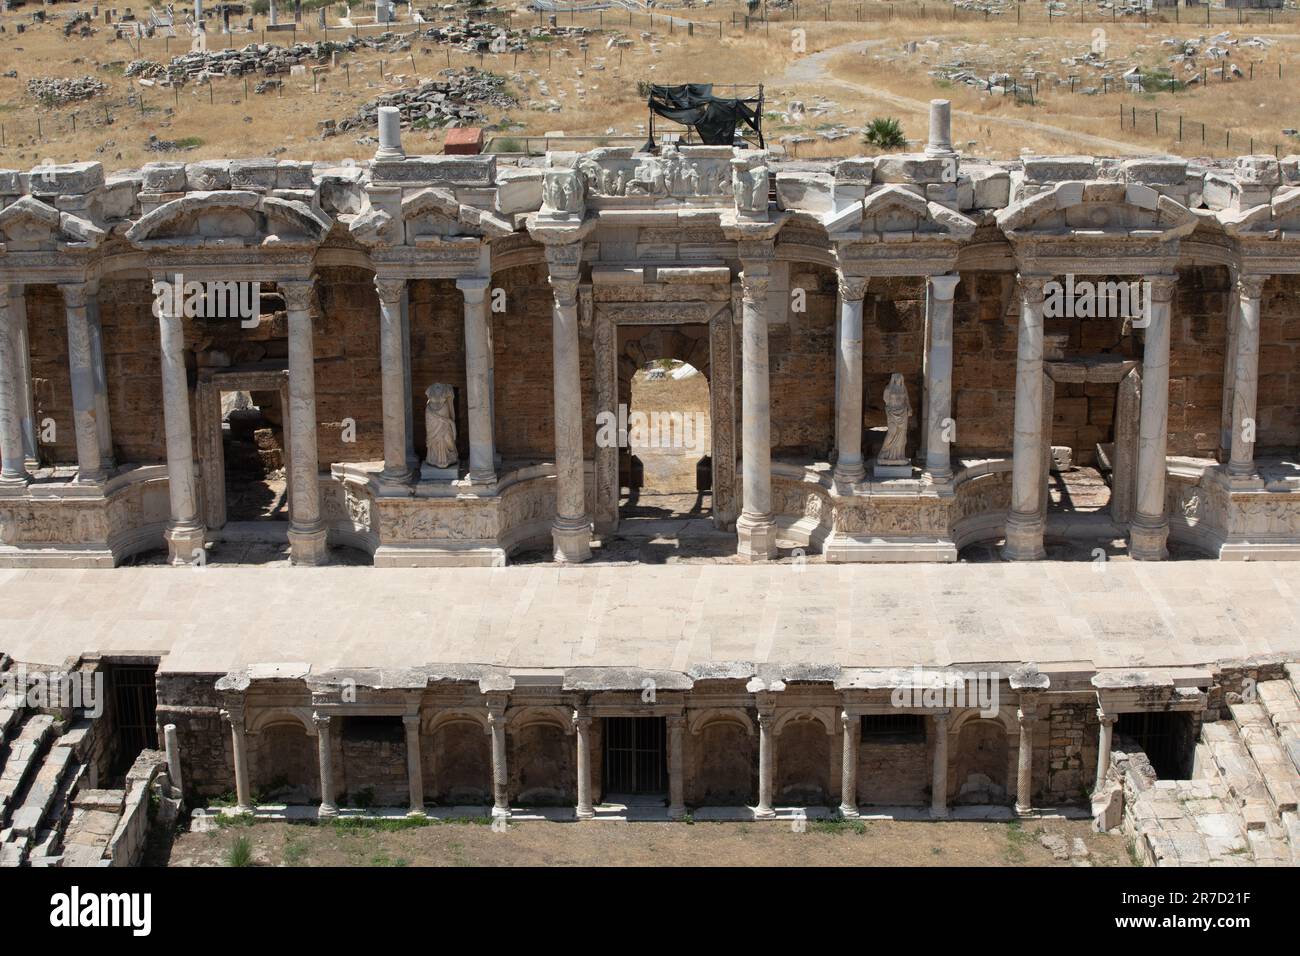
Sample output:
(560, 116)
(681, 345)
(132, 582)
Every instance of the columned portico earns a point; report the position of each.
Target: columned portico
(849, 468)
(938, 378)
(185, 532)
(478, 380)
(13, 463)
(756, 526)
(1149, 529)
(396, 395)
(571, 530)
(1245, 380)
(1025, 522)
(85, 404)
(307, 535)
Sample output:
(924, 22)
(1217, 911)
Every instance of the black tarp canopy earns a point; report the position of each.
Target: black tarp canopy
(714, 118)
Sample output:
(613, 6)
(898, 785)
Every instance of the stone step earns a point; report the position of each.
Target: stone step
(1279, 701)
(30, 814)
(1268, 850)
(1291, 826)
(23, 757)
(1276, 769)
(1238, 772)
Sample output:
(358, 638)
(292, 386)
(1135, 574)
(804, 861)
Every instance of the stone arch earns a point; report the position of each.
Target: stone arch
(543, 764)
(284, 764)
(698, 720)
(803, 750)
(724, 761)
(230, 217)
(518, 718)
(456, 758)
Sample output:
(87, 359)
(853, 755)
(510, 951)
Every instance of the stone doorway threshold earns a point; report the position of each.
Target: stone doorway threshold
(203, 821)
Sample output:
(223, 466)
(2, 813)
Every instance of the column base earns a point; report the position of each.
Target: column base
(327, 812)
(184, 543)
(764, 813)
(243, 808)
(572, 540)
(847, 812)
(501, 813)
(416, 813)
(1024, 535)
(676, 813)
(1022, 810)
(15, 481)
(582, 814)
(1148, 538)
(308, 548)
(849, 473)
(939, 813)
(755, 537)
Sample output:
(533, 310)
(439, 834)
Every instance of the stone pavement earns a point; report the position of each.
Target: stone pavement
(218, 619)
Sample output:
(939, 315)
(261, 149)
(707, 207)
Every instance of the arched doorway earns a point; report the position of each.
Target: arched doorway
(980, 774)
(285, 765)
(457, 763)
(803, 764)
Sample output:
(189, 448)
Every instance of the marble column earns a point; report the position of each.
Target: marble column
(500, 778)
(325, 754)
(756, 527)
(243, 788)
(396, 398)
(939, 773)
(185, 531)
(81, 365)
(582, 730)
(852, 724)
(272, 15)
(102, 422)
(1245, 378)
(478, 381)
(307, 535)
(571, 530)
(13, 459)
(766, 765)
(1025, 524)
(938, 378)
(1026, 716)
(1105, 736)
(849, 468)
(412, 459)
(1149, 529)
(414, 770)
(676, 771)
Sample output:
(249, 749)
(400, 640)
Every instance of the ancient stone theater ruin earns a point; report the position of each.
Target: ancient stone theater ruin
(901, 355)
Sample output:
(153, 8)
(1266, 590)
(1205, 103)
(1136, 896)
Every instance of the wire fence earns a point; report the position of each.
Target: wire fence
(1180, 129)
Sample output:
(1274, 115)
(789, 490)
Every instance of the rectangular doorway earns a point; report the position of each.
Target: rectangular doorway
(1165, 736)
(135, 703)
(635, 755)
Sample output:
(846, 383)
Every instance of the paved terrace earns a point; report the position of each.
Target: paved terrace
(661, 617)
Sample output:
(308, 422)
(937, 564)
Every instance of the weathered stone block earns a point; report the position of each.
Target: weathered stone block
(806, 192)
(912, 169)
(1055, 169)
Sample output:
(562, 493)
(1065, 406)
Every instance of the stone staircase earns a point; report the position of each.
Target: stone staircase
(1240, 807)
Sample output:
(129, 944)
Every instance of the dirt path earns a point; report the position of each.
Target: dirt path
(815, 69)
(868, 843)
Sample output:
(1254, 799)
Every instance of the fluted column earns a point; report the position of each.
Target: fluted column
(185, 531)
(571, 530)
(396, 397)
(582, 730)
(849, 468)
(939, 772)
(414, 770)
(325, 754)
(1245, 378)
(938, 378)
(756, 527)
(307, 535)
(81, 367)
(478, 382)
(1149, 529)
(852, 724)
(1105, 737)
(243, 789)
(500, 778)
(766, 768)
(13, 460)
(1025, 522)
(1026, 715)
(676, 773)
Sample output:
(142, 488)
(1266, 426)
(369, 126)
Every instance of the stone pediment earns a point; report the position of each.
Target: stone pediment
(228, 218)
(1091, 210)
(1278, 220)
(894, 213)
(429, 217)
(30, 225)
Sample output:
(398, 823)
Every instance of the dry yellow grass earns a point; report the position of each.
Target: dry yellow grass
(600, 94)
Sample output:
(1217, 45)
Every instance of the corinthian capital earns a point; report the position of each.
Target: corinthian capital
(75, 295)
(1031, 288)
(852, 288)
(1162, 287)
(390, 289)
(297, 295)
(753, 286)
(565, 289)
(1251, 287)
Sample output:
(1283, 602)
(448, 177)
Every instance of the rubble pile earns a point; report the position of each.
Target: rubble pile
(78, 23)
(261, 59)
(59, 90)
(446, 101)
